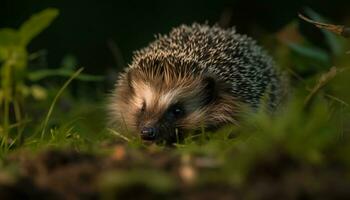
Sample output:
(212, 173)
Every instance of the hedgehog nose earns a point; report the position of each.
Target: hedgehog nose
(148, 133)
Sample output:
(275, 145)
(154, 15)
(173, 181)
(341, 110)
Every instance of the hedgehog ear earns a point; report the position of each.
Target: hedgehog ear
(210, 89)
(213, 88)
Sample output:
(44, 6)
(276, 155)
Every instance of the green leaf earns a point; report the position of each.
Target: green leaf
(3, 54)
(36, 24)
(332, 39)
(41, 74)
(9, 37)
(310, 52)
(1, 99)
(18, 57)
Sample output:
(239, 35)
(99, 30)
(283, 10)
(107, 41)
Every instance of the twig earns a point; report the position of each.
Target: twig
(337, 29)
(325, 78)
(297, 76)
(336, 99)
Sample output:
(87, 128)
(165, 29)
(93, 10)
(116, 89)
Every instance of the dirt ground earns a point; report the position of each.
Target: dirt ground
(126, 173)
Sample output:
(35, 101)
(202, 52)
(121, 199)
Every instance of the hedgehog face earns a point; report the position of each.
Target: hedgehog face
(164, 111)
(167, 102)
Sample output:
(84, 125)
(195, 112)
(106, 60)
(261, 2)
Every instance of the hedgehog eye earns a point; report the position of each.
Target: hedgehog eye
(177, 110)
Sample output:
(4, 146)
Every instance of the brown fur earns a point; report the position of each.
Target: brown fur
(166, 83)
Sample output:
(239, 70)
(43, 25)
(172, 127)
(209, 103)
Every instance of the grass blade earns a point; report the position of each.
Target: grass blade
(119, 135)
(59, 93)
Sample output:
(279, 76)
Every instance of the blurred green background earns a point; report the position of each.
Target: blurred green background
(87, 29)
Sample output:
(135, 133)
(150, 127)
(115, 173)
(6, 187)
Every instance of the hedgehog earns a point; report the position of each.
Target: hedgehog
(197, 76)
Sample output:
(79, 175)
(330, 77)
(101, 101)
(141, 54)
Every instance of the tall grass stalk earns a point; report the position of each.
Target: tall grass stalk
(59, 93)
(7, 90)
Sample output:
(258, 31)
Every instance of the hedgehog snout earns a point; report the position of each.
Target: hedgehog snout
(160, 133)
(148, 133)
